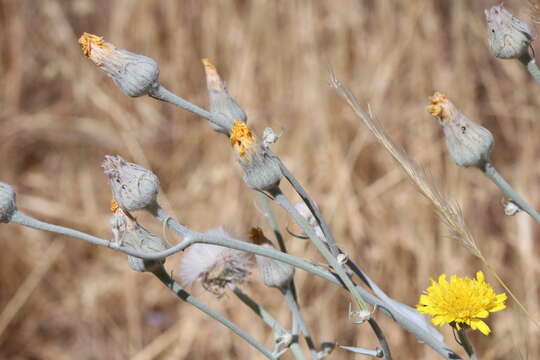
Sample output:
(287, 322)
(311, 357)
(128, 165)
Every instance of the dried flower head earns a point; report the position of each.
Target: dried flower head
(220, 101)
(469, 144)
(216, 267)
(127, 232)
(135, 74)
(462, 302)
(7, 202)
(273, 273)
(509, 37)
(133, 186)
(261, 169)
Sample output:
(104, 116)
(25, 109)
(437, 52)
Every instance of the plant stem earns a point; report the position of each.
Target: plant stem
(382, 339)
(466, 344)
(494, 176)
(284, 202)
(297, 315)
(530, 64)
(161, 93)
(260, 311)
(20, 218)
(164, 277)
(311, 205)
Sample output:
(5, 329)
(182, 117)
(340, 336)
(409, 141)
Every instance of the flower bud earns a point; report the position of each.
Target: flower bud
(220, 100)
(273, 273)
(7, 202)
(509, 37)
(261, 170)
(469, 144)
(135, 74)
(127, 232)
(133, 186)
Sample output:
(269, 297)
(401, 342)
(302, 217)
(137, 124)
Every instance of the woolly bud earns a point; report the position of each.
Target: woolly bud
(273, 273)
(7, 202)
(127, 232)
(220, 101)
(135, 74)
(509, 37)
(469, 144)
(261, 170)
(133, 186)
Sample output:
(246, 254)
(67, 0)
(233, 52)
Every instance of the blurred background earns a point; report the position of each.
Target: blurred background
(61, 298)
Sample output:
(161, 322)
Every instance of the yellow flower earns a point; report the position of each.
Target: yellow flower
(461, 301)
(242, 139)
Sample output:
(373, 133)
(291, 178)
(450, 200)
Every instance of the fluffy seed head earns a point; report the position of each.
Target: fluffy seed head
(469, 144)
(133, 186)
(216, 267)
(135, 74)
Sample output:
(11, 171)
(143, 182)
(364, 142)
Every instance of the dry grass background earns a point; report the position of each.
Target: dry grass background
(63, 299)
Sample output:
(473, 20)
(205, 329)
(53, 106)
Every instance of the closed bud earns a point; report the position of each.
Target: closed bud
(469, 144)
(509, 37)
(220, 101)
(133, 187)
(261, 169)
(135, 74)
(127, 232)
(273, 273)
(7, 202)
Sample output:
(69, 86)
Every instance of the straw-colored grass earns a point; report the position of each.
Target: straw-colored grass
(61, 298)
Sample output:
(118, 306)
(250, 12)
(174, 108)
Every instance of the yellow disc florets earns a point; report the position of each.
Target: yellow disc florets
(242, 139)
(114, 205)
(461, 302)
(437, 104)
(87, 40)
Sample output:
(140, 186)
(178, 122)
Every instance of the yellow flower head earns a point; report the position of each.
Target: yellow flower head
(461, 301)
(88, 41)
(242, 139)
(441, 107)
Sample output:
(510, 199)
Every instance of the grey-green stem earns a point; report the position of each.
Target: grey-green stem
(466, 344)
(260, 311)
(284, 202)
(295, 310)
(165, 278)
(530, 64)
(311, 205)
(161, 93)
(20, 218)
(494, 176)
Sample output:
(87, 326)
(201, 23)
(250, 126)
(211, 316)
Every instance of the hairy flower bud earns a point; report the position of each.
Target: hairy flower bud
(7, 202)
(273, 273)
(133, 186)
(509, 37)
(261, 170)
(127, 232)
(469, 144)
(135, 74)
(220, 101)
